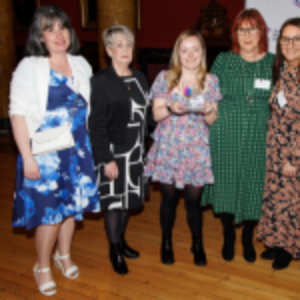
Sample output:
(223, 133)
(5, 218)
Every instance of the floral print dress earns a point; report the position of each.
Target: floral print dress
(180, 153)
(67, 184)
(280, 220)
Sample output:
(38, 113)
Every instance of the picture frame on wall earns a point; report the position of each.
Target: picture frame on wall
(24, 11)
(88, 14)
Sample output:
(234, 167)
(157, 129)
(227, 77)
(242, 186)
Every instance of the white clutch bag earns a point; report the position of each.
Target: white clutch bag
(52, 140)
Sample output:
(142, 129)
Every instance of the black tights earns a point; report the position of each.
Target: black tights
(115, 224)
(227, 222)
(192, 196)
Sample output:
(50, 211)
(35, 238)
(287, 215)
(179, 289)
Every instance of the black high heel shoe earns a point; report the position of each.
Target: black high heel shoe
(117, 260)
(167, 255)
(126, 250)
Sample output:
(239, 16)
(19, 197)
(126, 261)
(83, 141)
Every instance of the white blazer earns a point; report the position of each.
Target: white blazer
(30, 86)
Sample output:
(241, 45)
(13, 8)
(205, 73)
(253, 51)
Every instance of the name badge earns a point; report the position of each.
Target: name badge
(281, 99)
(263, 84)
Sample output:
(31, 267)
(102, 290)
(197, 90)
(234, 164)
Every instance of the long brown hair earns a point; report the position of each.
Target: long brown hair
(279, 58)
(174, 73)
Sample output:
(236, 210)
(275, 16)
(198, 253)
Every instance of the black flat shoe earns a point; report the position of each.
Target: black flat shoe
(167, 255)
(117, 260)
(269, 254)
(128, 251)
(197, 249)
(282, 259)
(228, 247)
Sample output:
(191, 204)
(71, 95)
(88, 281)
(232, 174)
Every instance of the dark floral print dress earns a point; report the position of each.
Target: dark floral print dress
(280, 220)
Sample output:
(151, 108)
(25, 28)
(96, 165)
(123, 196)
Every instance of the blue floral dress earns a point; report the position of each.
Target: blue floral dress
(67, 184)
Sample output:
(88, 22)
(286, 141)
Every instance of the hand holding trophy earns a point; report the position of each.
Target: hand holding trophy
(196, 101)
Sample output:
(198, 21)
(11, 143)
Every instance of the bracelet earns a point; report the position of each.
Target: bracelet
(169, 109)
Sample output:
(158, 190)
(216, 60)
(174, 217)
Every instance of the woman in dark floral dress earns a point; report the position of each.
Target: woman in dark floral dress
(280, 221)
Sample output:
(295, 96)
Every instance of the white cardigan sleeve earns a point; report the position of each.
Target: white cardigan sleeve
(22, 88)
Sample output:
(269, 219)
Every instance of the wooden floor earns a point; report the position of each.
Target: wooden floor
(148, 278)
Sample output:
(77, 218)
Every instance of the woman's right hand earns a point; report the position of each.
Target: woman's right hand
(288, 170)
(111, 170)
(31, 168)
(177, 108)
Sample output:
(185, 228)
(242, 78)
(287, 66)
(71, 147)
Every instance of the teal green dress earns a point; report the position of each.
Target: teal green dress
(238, 137)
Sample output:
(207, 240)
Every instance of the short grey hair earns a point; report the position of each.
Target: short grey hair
(108, 34)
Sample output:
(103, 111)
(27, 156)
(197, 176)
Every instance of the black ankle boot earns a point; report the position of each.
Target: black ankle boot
(167, 255)
(197, 249)
(126, 250)
(247, 237)
(229, 236)
(269, 253)
(116, 258)
(282, 259)
(228, 247)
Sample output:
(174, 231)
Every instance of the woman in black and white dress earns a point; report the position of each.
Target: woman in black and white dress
(116, 123)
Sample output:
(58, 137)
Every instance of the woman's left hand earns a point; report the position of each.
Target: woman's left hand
(210, 112)
(208, 109)
(111, 170)
(288, 170)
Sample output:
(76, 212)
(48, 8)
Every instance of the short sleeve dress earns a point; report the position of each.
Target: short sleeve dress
(180, 153)
(67, 185)
(238, 137)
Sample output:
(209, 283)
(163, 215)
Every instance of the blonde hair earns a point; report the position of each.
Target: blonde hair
(174, 74)
(108, 34)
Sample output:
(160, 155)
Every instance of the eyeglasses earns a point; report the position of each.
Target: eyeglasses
(250, 31)
(284, 41)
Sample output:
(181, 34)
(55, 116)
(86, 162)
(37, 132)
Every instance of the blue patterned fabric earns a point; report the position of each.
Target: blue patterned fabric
(67, 186)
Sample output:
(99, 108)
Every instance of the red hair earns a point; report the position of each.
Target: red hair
(254, 18)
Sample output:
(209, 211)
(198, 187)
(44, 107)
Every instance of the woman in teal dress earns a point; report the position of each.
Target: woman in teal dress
(238, 137)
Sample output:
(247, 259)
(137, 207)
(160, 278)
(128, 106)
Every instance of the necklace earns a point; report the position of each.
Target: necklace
(251, 88)
(127, 85)
(126, 81)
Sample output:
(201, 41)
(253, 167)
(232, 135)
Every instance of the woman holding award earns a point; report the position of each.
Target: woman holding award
(185, 103)
(238, 138)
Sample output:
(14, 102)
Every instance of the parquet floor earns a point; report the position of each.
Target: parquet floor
(148, 278)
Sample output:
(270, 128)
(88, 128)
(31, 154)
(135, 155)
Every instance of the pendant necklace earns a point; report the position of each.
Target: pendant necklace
(127, 83)
(251, 89)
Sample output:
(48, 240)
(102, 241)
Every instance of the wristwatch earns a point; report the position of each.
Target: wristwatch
(169, 108)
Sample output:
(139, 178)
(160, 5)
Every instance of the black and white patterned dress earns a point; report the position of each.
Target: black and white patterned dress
(127, 191)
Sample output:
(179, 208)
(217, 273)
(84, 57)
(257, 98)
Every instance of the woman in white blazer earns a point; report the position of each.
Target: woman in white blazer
(51, 88)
